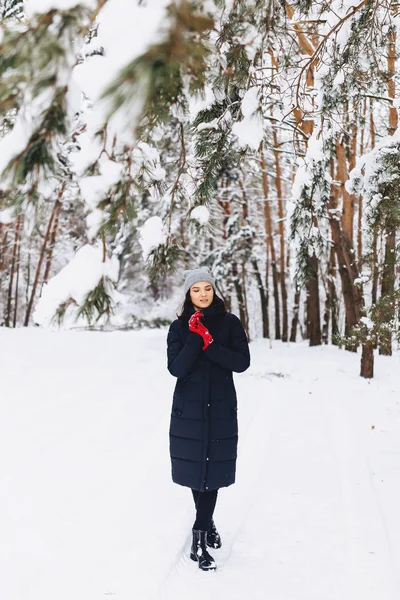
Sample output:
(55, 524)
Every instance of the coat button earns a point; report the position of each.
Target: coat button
(208, 405)
(208, 458)
(206, 487)
(178, 412)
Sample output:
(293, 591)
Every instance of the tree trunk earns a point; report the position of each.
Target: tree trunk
(388, 279)
(313, 309)
(360, 198)
(348, 267)
(393, 115)
(270, 244)
(388, 276)
(375, 268)
(12, 273)
(240, 296)
(3, 246)
(348, 271)
(367, 360)
(245, 306)
(263, 299)
(331, 304)
(282, 262)
(16, 294)
(333, 298)
(39, 266)
(342, 176)
(295, 320)
(372, 124)
(375, 265)
(52, 243)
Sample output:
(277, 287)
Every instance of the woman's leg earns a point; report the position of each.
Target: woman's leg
(195, 496)
(205, 509)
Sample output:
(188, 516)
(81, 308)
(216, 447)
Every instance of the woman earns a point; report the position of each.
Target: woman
(205, 344)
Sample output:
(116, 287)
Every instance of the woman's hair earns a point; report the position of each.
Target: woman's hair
(187, 305)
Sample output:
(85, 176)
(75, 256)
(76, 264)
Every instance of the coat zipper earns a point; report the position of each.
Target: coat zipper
(206, 423)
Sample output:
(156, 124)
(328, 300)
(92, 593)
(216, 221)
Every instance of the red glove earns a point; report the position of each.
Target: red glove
(205, 334)
(195, 320)
(196, 326)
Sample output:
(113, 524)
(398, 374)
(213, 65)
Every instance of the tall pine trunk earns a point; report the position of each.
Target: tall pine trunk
(295, 319)
(389, 267)
(8, 314)
(313, 306)
(17, 267)
(52, 243)
(282, 253)
(270, 243)
(263, 299)
(347, 266)
(237, 282)
(39, 266)
(367, 360)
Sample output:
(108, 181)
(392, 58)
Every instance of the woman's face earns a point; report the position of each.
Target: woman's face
(201, 294)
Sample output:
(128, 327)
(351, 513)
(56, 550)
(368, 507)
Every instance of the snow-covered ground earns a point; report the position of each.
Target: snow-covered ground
(88, 509)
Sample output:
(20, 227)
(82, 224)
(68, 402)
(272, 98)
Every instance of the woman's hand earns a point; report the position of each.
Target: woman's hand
(195, 320)
(197, 326)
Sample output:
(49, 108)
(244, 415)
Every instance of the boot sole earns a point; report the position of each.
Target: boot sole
(193, 557)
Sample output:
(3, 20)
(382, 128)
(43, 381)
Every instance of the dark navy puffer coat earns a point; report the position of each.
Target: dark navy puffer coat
(204, 426)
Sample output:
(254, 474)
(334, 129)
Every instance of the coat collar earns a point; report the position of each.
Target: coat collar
(209, 311)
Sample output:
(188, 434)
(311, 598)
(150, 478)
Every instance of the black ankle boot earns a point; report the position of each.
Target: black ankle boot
(199, 551)
(213, 537)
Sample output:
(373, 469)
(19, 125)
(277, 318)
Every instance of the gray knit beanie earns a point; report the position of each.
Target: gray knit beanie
(194, 275)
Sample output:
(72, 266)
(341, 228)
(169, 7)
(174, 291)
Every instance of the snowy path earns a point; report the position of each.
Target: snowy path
(87, 508)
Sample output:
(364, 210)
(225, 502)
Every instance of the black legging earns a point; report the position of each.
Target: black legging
(205, 504)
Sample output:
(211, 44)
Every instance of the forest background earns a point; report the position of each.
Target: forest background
(259, 138)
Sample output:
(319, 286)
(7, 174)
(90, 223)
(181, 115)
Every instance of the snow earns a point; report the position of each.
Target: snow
(43, 6)
(250, 102)
(147, 156)
(363, 278)
(201, 214)
(200, 102)
(88, 508)
(92, 189)
(210, 125)
(122, 41)
(13, 143)
(95, 188)
(250, 131)
(367, 322)
(303, 180)
(7, 216)
(88, 153)
(16, 141)
(94, 220)
(126, 39)
(339, 79)
(365, 177)
(152, 234)
(80, 276)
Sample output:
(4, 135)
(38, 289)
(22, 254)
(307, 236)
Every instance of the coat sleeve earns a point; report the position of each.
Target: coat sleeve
(237, 356)
(181, 357)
